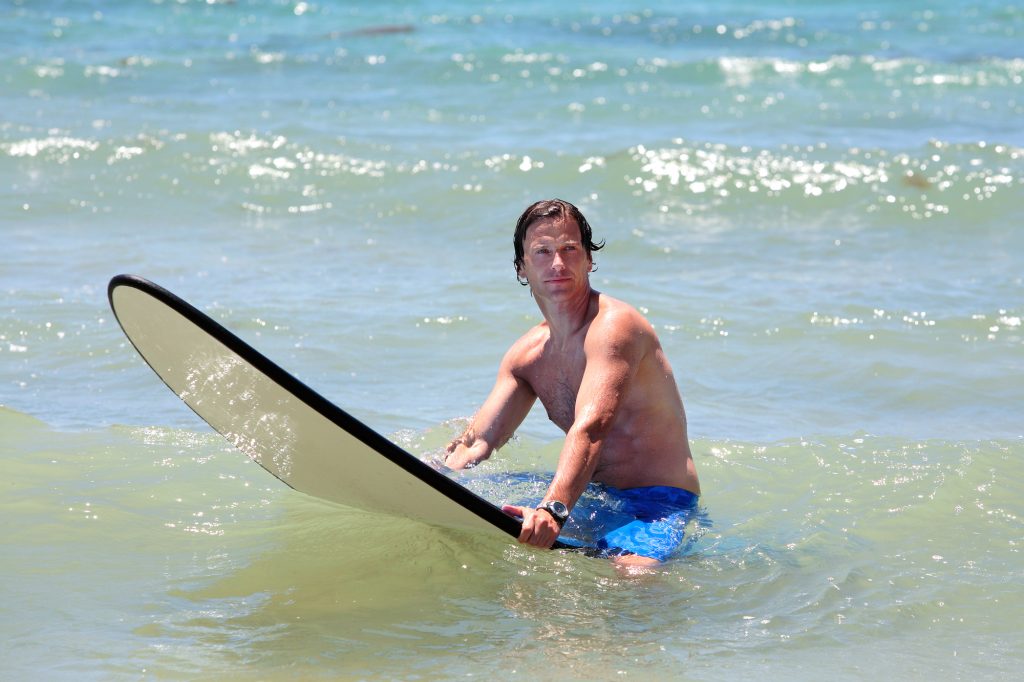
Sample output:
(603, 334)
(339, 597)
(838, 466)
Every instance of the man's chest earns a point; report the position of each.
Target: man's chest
(556, 381)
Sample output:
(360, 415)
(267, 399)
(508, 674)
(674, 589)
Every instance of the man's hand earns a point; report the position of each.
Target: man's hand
(462, 456)
(539, 528)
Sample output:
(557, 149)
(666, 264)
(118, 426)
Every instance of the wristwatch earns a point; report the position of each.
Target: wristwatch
(559, 512)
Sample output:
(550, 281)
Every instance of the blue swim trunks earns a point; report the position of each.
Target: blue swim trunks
(649, 521)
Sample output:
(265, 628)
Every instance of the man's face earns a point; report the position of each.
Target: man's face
(554, 259)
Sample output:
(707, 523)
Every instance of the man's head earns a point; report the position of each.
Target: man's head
(551, 209)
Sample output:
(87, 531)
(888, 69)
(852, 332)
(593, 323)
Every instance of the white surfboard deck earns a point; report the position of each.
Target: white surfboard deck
(293, 432)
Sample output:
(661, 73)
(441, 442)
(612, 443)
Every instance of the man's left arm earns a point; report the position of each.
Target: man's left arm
(614, 350)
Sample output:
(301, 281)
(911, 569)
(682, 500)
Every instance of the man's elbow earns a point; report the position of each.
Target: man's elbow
(593, 426)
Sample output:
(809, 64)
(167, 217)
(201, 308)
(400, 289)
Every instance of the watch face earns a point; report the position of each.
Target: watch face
(558, 511)
(559, 508)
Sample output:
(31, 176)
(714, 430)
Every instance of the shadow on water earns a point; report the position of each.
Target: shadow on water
(368, 594)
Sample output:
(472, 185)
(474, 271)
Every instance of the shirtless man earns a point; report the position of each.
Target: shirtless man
(599, 370)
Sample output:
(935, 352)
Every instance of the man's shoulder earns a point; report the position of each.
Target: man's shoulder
(619, 324)
(615, 316)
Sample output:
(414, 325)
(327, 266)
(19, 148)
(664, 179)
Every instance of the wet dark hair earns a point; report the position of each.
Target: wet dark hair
(551, 208)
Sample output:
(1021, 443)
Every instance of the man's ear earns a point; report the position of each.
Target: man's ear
(519, 275)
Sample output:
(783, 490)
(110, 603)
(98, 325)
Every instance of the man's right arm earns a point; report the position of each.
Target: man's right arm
(501, 414)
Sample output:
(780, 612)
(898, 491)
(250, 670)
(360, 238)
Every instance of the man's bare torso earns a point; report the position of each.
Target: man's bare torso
(647, 443)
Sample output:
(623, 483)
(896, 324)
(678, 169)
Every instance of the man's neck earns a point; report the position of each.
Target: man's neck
(567, 317)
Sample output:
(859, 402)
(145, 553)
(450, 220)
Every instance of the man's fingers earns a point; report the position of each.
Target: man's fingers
(536, 530)
(525, 515)
(513, 510)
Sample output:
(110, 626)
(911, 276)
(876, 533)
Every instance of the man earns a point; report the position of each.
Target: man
(599, 370)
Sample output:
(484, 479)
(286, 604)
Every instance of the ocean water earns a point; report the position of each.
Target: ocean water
(818, 206)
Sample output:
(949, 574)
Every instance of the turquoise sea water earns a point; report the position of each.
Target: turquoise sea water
(817, 205)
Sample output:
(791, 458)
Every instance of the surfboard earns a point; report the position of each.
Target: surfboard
(303, 439)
